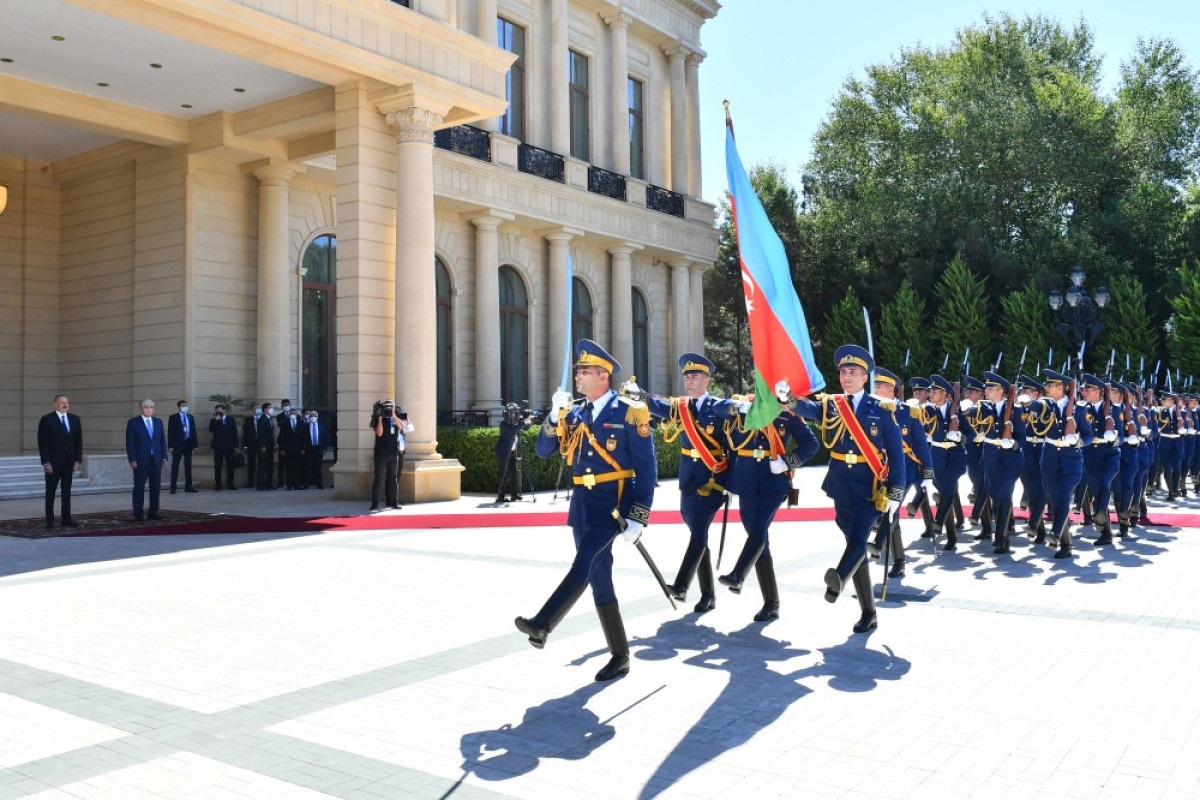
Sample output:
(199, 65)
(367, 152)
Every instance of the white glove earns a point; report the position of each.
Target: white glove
(1024, 400)
(911, 402)
(1071, 440)
(630, 387)
(929, 488)
(892, 507)
(965, 405)
(1145, 431)
(953, 436)
(1110, 436)
(744, 406)
(1133, 439)
(1008, 444)
(559, 403)
(633, 530)
(778, 466)
(783, 392)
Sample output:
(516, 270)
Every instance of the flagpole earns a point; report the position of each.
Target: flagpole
(729, 120)
(567, 344)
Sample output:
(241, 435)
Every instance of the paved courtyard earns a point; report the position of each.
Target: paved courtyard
(384, 664)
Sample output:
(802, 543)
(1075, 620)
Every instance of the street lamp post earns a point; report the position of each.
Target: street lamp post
(1078, 316)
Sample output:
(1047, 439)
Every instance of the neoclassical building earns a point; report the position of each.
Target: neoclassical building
(337, 201)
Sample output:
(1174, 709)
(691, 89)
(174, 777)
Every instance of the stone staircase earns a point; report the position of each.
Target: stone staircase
(23, 476)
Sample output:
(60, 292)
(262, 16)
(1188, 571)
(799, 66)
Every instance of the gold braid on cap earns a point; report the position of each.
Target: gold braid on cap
(587, 359)
(692, 366)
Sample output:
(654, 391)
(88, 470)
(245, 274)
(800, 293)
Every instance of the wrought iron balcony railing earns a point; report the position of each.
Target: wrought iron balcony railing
(543, 163)
(664, 200)
(609, 184)
(465, 140)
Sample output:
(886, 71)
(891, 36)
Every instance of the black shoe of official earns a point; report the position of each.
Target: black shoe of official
(500, 499)
(707, 603)
(191, 490)
(374, 506)
(868, 621)
(153, 516)
(615, 668)
(70, 522)
(172, 490)
(897, 570)
(49, 524)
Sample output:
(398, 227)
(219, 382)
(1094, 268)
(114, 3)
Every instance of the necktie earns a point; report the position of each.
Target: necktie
(67, 425)
(587, 414)
(150, 431)
(185, 426)
(692, 406)
(293, 423)
(314, 433)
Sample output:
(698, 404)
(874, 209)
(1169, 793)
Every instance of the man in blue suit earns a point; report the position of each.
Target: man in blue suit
(146, 448)
(606, 441)
(866, 474)
(182, 439)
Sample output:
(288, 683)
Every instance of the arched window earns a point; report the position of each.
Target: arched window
(582, 323)
(445, 338)
(514, 337)
(318, 352)
(641, 338)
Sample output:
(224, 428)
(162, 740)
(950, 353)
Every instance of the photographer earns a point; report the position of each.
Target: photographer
(390, 428)
(508, 457)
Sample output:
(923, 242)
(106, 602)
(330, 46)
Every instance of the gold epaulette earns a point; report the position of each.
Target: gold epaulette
(636, 412)
(885, 403)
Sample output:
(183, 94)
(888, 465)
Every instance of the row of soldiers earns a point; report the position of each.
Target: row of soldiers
(1105, 444)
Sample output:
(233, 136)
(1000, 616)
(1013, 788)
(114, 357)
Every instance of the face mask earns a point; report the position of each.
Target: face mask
(270, 411)
(258, 412)
(183, 409)
(286, 409)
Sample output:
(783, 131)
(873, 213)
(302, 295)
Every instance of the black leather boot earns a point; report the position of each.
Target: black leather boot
(927, 518)
(951, 534)
(750, 553)
(896, 545)
(708, 589)
(552, 613)
(764, 568)
(618, 645)
(1064, 542)
(866, 599)
(1105, 524)
(836, 579)
(687, 571)
(1041, 532)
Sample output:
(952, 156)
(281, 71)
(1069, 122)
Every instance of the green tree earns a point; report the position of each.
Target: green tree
(1128, 327)
(903, 329)
(961, 318)
(1183, 336)
(1025, 323)
(844, 325)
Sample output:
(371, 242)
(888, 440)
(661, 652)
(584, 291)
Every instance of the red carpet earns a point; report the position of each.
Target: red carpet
(501, 517)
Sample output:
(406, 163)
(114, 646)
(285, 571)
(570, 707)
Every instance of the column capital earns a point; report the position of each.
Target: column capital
(624, 248)
(413, 124)
(679, 264)
(273, 172)
(616, 18)
(695, 58)
(562, 234)
(490, 219)
(676, 50)
(696, 266)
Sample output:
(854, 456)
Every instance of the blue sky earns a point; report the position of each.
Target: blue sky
(780, 63)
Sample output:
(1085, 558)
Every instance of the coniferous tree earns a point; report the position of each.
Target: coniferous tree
(1128, 327)
(961, 317)
(1025, 323)
(844, 325)
(903, 330)
(1183, 337)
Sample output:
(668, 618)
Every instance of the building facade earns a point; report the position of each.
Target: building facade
(337, 201)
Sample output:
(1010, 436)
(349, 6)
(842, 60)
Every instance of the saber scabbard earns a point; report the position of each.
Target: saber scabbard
(641, 548)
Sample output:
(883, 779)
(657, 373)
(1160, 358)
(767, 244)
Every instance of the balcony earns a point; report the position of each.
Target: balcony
(664, 200)
(464, 140)
(542, 163)
(609, 184)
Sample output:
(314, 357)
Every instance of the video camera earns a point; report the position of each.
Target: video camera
(516, 414)
(384, 408)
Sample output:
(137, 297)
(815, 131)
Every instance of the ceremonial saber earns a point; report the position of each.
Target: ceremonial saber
(564, 383)
(641, 548)
(724, 522)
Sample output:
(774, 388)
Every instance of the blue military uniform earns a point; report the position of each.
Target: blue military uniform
(761, 489)
(920, 408)
(1001, 458)
(1031, 469)
(859, 497)
(608, 445)
(1170, 448)
(917, 464)
(1124, 486)
(1102, 459)
(974, 448)
(703, 471)
(1062, 457)
(947, 456)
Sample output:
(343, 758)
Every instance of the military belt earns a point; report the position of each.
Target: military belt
(1034, 439)
(849, 458)
(591, 479)
(689, 452)
(1059, 443)
(944, 445)
(1169, 435)
(758, 453)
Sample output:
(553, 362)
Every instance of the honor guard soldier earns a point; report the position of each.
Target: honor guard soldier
(703, 469)
(1125, 484)
(1031, 471)
(972, 389)
(946, 453)
(918, 467)
(607, 443)
(1102, 460)
(761, 476)
(1064, 430)
(866, 475)
(1170, 446)
(919, 403)
(1187, 418)
(1001, 458)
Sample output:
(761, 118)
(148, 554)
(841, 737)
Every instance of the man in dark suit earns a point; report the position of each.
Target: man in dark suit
(60, 445)
(146, 448)
(258, 440)
(224, 443)
(281, 419)
(181, 441)
(293, 447)
(318, 440)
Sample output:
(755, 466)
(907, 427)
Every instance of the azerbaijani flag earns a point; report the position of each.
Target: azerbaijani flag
(778, 331)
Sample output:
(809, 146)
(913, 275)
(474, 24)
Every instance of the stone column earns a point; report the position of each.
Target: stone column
(681, 317)
(679, 164)
(560, 112)
(487, 311)
(618, 23)
(273, 340)
(486, 30)
(697, 307)
(622, 308)
(558, 324)
(693, 123)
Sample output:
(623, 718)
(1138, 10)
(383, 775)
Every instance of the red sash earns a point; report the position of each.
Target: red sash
(854, 427)
(698, 444)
